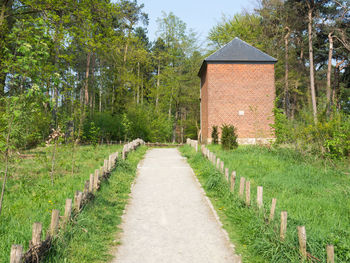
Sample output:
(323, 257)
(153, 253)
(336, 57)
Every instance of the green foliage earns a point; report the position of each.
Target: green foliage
(215, 135)
(21, 112)
(244, 26)
(228, 137)
(327, 138)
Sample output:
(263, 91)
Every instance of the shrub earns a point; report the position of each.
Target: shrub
(228, 137)
(215, 135)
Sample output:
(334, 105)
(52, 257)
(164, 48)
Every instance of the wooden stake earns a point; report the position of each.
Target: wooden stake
(218, 163)
(330, 254)
(96, 175)
(247, 193)
(67, 210)
(110, 163)
(16, 254)
(302, 241)
(91, 183)
(36, 234)
(226, 173)
(77, 200)
(272, 211)
(222, 166)
(283, 228)
(86, 189)
(241, 186)
(259, 197)
(101, 171)
(233, 180)
(105, 166)
(54, 222)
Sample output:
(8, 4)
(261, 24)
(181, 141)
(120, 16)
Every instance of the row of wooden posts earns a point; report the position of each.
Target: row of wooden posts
(37, 246)
(245, 185)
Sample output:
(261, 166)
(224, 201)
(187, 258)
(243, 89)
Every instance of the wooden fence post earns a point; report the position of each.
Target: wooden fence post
(233, 181)
(272, 210)
(110, 162)
(259, 197)
(222, 166)
(330, 254)
(218, 163)
(16, 254)
(67, 210)
(77, 200)
(36, 234)
(96, 175)
(283, 228)
(105, 166)
(86, 189)
(226, 174)
(247, 193)
(91, 183)
(241, 186)
(54, 222)
(302, 241)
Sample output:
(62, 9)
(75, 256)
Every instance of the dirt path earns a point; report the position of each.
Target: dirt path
(169, 218)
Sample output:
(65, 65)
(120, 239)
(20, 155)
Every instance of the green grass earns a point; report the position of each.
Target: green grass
(90, 237)
(314, 194)
(29, 195)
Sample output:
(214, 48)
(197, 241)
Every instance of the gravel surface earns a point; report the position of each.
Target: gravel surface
(169, 219)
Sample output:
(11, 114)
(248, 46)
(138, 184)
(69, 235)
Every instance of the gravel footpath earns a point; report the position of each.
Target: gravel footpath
(169, 219)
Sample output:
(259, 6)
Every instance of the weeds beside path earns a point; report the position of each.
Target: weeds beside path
(91, 235)
(314, 195)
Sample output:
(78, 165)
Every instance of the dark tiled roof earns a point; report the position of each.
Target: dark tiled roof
(238, 51)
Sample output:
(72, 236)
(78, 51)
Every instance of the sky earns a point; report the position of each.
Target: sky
(200, 15)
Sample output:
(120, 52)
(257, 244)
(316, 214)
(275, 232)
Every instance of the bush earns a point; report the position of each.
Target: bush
(329, 137)
(228, 137)
(215, 135)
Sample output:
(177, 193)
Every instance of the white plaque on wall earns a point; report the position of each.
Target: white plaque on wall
(241, 112)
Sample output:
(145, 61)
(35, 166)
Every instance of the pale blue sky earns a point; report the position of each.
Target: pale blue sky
(200, 15)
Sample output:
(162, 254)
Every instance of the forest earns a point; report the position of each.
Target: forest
(78, 72)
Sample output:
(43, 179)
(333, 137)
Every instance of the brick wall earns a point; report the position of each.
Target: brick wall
(238, 94)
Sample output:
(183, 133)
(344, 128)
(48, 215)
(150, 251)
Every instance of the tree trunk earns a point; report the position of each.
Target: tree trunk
(100, 102)
(92, 94)
(174, 127)
(158, 83)
(138, 83)
(142, 89)
(329, 70)
(86, 85)
(311, 57)
(286, 84)
(9, 129)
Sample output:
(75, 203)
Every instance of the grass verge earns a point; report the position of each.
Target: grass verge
(29, 195)
(314, 195)
(92, 233)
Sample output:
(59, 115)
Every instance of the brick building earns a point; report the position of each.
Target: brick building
(238, 87)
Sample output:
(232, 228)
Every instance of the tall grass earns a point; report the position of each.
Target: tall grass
(90, 237)
(314, 194)
(29, 195)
